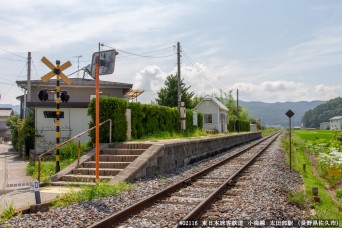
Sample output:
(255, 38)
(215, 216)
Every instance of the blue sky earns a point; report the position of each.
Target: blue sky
(271, 50)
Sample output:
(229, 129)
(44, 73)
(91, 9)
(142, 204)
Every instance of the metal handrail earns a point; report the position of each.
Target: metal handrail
(79, 144)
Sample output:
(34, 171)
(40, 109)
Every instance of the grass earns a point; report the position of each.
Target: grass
(339, 193)
(88, 193)
(47, 169)
(197, 133)
(297, 198)
(268, 131)
(68, 154)
(315, 134)
(7, 213)
(173, 135)
(327, 208)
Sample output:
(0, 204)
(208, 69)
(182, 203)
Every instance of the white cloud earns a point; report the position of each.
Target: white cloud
(281, 91)
(150, 78)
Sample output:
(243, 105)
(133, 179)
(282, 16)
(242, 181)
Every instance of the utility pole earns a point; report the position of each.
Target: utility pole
(27, 97)
(78, 64)
(237, 110)
(29, 77)
(97, 116)
(179, 87)
(179, 77)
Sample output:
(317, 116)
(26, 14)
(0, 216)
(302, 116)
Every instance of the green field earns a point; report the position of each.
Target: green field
(307, 146)
(312, 135)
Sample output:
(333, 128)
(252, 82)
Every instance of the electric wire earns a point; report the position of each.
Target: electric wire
(8, 59)
(186, 55)
(35, 69)
(142, 54)
(13, 53)
(2, 83)
(15, 80)
(6, 79)
(146, 56)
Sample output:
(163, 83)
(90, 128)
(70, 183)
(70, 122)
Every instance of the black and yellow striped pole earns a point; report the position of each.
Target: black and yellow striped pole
(57, 70)
(58, 134)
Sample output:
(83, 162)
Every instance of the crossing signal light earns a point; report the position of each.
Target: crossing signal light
(65, 97)
(43, 95)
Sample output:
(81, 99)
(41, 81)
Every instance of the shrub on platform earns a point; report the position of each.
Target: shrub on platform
(110, 108)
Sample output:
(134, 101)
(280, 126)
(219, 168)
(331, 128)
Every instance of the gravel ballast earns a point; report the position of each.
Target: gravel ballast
(263, 197)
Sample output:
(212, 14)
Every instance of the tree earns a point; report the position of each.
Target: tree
(322, 113)
(229, 101)
(196, 99)
(23, 132)
(168, 95)
(15, 124)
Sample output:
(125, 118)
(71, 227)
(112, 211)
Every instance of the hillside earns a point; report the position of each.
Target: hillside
(274, 113)
(323, 112)
(16, 108)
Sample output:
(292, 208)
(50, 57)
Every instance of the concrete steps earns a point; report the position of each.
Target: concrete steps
(92, 171)
(117, 158)
(107, 165)
(70, 183)
(130, 146)
(84, 178)
(112, 160)
(116, 151)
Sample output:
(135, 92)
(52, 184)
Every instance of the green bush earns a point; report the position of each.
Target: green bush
(70, 151)
(200, 120)
(241, 125)
(23, 132)
(110, 108)
(137, 116)
(148, 120)
(28, 134)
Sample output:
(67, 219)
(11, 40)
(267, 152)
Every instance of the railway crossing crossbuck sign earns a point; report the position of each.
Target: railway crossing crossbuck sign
(57, 70)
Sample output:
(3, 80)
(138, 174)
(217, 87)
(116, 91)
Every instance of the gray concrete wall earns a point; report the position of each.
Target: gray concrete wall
(165, 157)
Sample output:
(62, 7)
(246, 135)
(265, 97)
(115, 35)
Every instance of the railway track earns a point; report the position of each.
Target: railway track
(189, 198)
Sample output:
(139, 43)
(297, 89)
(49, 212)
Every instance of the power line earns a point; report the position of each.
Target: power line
(34, 66)
(173, 46)
(7, 83)
(186, 55)
(6, 79)
(13, 53)
(16, 60)
(145, 56)
(142, 54)
(16, 80)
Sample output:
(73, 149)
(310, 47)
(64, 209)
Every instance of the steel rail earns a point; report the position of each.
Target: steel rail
(126, 213)
(201, 208)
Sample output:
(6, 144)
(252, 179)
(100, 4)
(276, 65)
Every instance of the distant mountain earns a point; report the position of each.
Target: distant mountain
(274, 113)
(16, 108)
(322, 113)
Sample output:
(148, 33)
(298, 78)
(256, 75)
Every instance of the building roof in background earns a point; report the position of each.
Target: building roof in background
(133, 93)
(336, 118)
(6, 112)
(217, 102)
(76, 82)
